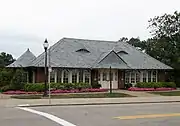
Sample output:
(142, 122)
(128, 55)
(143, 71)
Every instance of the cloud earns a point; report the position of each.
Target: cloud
(26, 23)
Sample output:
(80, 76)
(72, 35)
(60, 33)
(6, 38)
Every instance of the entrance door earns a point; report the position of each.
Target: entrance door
(120, 79)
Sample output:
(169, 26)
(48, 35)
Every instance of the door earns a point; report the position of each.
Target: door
(121, 79)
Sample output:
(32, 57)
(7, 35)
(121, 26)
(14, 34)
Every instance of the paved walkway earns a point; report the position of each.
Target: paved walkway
(136, 93)
(3, 96)
(87, 101)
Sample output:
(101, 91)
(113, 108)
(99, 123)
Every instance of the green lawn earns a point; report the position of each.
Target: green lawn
(88, 95)
(169, 93)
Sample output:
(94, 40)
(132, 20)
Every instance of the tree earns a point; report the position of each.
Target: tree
(166, 38)
(123, 39)
(134, 42)
(165, 45)
(6, 59)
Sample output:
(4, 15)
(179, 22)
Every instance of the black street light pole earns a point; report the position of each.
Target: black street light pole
(110, 79)
(45, 68)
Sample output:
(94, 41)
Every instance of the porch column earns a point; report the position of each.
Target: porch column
(83, 76)
(33, 77)
(78, 76)
(141, 76)
(90, 77)
(146, 76)
(55, 78)
(62, 76)
(70, 76)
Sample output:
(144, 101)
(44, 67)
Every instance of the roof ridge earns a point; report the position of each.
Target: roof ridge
(90, 40)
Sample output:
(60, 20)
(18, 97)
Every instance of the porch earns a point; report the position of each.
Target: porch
(119, 77)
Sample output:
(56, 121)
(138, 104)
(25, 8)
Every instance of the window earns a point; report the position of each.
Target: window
(154, 77)
(87, 77)
(74, 76)
(144, 76)
(149, 76)
(52, 76)
(137, 77)
(116, 76)
(59, 74)
(65, 77)
(132, 77)
(104, 76)
(127, 76)
(81, 76)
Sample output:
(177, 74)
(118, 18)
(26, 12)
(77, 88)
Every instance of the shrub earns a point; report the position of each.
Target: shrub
(6, 88)
(128, 85)
(95, 84)
(58, 86)
(5, 76)
(169, 84)
(38, 87)
(19, 79)
(62, 86)
(156, 84)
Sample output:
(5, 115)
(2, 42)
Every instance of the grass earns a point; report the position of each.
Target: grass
(169, 93)
(88, 95)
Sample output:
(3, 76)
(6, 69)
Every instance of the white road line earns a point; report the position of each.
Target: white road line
(49, 116)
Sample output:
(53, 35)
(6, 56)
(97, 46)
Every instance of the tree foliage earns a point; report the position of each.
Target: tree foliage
(165, 44)
(6, 59)
(12, 79)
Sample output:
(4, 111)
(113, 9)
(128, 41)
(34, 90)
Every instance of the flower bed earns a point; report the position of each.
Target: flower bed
(56, 91)
(150, 89)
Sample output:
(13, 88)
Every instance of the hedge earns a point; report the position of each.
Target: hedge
(39, 87)
(155, 84)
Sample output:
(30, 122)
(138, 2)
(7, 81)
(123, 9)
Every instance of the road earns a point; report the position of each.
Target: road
(164, 114)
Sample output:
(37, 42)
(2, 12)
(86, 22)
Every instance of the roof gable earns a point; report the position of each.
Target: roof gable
(24, 60)
(113, 60)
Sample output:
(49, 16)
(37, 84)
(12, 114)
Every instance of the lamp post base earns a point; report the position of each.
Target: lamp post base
(45, 94)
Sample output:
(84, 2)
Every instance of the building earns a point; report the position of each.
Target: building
(79, 60)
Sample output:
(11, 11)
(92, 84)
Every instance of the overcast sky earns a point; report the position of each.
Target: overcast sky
(26, 23)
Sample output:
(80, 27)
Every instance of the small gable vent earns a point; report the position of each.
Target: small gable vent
(122, 52)
(83, 51)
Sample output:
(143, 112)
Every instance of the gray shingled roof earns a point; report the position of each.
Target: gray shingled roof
(24, 60)
(64, 54)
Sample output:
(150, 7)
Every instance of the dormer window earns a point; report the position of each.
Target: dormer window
(83, 51)
(122, 52)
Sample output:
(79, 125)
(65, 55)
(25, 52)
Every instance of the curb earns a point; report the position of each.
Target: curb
(77, 104)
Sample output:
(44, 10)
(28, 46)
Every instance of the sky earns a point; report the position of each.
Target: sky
(26, 23)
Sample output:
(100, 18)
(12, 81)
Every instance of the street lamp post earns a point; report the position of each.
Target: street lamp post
(110, 80)
(45, 67)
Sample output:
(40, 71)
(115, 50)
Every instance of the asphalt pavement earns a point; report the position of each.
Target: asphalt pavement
(159, 114)
(16, 117)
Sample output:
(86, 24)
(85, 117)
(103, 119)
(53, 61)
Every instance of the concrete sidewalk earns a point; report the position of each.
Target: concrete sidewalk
(87, 101)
